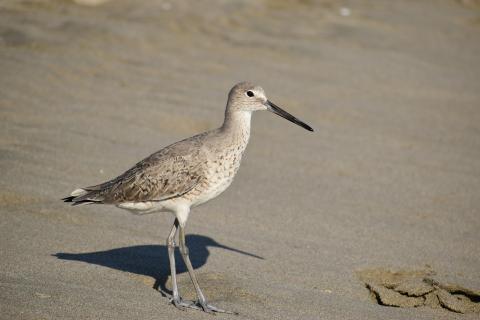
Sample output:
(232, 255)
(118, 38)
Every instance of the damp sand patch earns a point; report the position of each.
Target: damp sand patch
(418, 288)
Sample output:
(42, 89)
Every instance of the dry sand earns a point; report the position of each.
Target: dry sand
(390, 180)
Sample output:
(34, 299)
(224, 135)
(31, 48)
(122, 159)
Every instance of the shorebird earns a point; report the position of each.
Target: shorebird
(186, 174)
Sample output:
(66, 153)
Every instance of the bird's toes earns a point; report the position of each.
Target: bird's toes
(212, 309)
(184, 304)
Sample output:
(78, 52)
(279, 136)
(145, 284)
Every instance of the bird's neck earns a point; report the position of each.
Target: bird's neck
(237, 125)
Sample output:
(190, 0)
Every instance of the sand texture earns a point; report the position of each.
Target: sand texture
(386, 189)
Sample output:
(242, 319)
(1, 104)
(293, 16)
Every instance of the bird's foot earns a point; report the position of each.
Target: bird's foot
(208, 308)
(184, 304)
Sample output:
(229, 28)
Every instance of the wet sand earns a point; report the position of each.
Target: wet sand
(390, 180)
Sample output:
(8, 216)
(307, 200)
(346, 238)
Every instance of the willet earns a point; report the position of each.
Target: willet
(185, 175)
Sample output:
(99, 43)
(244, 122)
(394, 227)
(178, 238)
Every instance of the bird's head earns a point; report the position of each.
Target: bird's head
(247, 97)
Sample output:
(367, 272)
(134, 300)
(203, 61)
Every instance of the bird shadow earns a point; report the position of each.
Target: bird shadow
(151, 260)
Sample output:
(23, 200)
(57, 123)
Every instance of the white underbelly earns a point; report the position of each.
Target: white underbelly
(141, 207)
(146, 207)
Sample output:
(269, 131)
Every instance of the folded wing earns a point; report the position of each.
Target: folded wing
(164, 175)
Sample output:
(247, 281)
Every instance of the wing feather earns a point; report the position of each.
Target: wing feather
(166, 174)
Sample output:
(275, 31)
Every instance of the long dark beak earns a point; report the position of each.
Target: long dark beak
(284, 114)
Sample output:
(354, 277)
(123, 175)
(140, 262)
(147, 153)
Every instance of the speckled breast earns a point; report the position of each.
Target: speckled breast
(220, 174)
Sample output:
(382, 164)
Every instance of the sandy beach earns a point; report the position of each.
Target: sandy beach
(380, 206)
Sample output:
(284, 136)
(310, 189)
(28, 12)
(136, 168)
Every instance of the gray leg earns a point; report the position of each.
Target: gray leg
(201, 298)
(176, 300)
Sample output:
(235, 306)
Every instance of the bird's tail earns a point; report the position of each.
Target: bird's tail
(82, 196)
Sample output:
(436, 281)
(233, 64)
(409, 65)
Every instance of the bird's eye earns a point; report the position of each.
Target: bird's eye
(250, 93)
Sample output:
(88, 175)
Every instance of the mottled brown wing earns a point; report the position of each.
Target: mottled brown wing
(162, 181)
(169, 173)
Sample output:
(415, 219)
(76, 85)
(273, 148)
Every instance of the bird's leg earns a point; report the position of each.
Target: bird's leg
(176, 300)
(201, 298)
